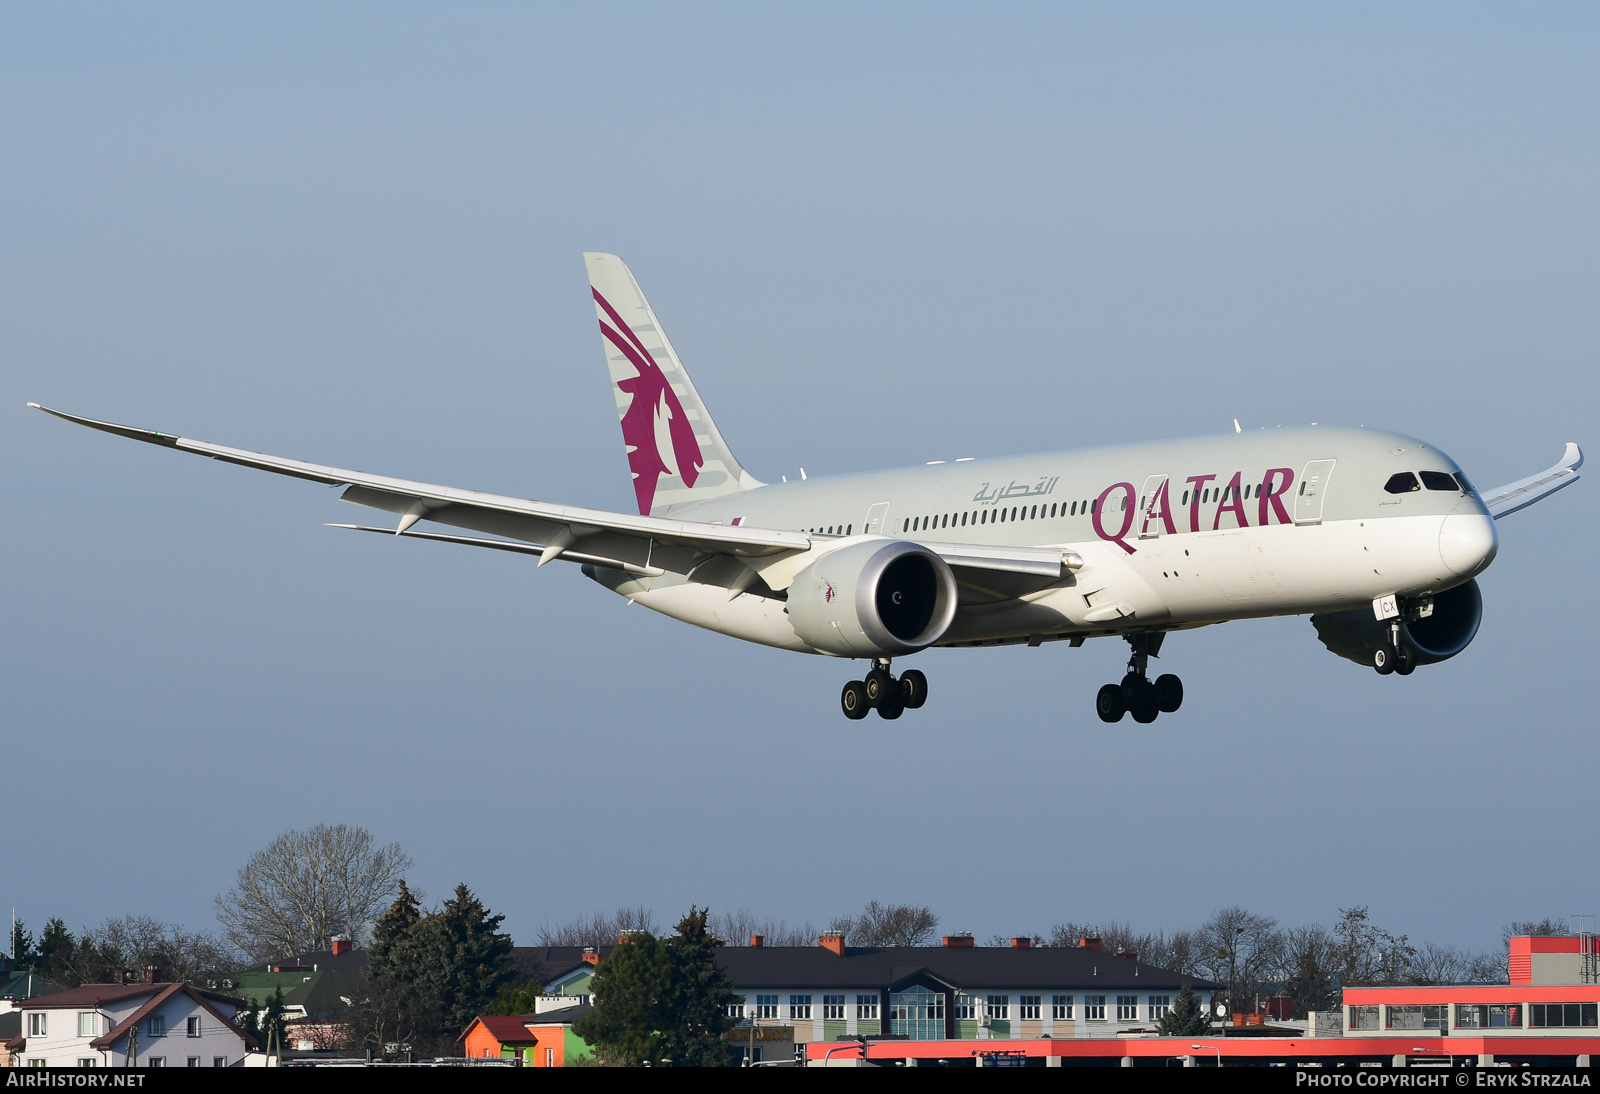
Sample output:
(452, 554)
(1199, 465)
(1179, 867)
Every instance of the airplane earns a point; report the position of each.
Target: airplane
(1376, 535)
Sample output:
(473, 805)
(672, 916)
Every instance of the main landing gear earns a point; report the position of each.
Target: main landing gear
(1136, 695)
(1394, 655)
(882, 692)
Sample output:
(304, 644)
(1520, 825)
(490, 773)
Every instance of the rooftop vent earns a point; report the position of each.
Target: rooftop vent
(961, 939)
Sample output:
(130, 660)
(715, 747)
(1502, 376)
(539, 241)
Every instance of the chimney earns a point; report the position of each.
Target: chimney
(591, 956)
(1090, 943)
(959, 940)
(149, 974)
(832, 941)
(1131, 955)
(1021, 943)
(341, 945)
(124, 974)
(758, 940)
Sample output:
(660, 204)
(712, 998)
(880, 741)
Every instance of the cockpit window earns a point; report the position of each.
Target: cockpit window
(1439, 480)
(1402, 482)
(1462, 479)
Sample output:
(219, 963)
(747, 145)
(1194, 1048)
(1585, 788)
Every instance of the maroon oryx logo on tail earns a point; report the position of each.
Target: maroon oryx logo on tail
(653, 399)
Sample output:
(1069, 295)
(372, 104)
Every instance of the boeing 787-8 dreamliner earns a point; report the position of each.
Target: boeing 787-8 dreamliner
(1378, 536)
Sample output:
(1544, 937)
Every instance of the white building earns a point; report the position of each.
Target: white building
(157, 1025)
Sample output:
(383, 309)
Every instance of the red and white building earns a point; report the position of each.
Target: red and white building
(144, 1023)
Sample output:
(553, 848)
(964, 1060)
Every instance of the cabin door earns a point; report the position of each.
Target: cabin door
(1155, 508)
(1313, 488)
(877, 513)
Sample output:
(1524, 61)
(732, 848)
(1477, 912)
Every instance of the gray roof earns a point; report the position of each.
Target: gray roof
(961, 967)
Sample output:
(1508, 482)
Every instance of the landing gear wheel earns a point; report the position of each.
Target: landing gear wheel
(854, 700)
(913, 688)
(1383, 660)
(892, 706)
(1169, 693)
(879, 685)
(1109, 705)
(1405, 662)
(1144, 709)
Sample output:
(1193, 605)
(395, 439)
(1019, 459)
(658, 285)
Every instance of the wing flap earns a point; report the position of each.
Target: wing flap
(1505, 500)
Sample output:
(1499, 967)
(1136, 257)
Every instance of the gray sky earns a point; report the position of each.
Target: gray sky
(352, 235)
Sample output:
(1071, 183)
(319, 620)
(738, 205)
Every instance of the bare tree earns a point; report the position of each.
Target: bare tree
(137, 942)
(1242, 950)
(1175, 952)
(598, 928)
(1365, 954)
(307, 886)
(1437, 964)
(735, 929)
(888, 925)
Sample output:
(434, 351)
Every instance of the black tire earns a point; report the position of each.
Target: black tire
(879, 685)
(892, 706)
(1169, 693)
(913, 688)
(1405, 661)
(1109, 705)
(1383, 659)
(854, 700)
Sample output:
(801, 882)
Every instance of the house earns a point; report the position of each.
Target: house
(544, 1039)
(147, 1023)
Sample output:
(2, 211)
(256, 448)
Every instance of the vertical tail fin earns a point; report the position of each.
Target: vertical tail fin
(675, 452)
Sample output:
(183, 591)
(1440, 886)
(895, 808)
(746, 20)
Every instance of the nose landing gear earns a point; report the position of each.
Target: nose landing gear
(1394, 655)
(882, 692)
(1136, 694)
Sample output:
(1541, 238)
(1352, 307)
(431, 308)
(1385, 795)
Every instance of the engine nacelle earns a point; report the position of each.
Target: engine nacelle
(1356, 634)
(877, 598)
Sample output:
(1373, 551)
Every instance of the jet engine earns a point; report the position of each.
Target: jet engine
(1431, 628)
(877, 598)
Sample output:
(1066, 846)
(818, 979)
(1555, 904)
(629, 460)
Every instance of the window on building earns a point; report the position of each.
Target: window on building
(155, 1061)
(88, 1025)
(85, 1061)
(966, 1008)
(1127, 1008)
(736, 1010)
(917, 1014)
(193, 1025)
(833, 1007)
(1489, 1015)
(1028, 1007)
(1418, 1016)
(37, 1024)
(35, 1062)
(766, 1006)
(1566, 1015)
(800, 1008)
(1094, 1008)
(156, 1026)
(997, 1007)
(1061, 1008)
(549, 1057)
(1363, 1017)
(194, 1061)
(867, 1007)
(1159, 1006)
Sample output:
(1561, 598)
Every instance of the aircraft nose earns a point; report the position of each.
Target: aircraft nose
(1467, 540)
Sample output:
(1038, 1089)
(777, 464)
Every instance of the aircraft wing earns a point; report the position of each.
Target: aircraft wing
(642, 545)
(1505, 500)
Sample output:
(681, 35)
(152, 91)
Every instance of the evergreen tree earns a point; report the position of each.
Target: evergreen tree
(1186, 1018)
(462, 958)
(391, 952)
(56, 948)
(516, 999)
(633, 989)
(701, 993)
(22, 951)
(266, 1024)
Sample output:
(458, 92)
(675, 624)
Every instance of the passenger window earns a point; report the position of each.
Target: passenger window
(1035, 512)
(1074, 509)
(1438, 480)
(1402, 482)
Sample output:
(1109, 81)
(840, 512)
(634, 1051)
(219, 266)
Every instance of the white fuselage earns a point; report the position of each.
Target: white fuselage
(1172, 534)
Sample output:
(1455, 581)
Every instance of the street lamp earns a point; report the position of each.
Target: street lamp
(1211, 1048)
(1440, 1051)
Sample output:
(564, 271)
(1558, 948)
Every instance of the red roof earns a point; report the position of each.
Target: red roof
(88, 994)
(507, 1029)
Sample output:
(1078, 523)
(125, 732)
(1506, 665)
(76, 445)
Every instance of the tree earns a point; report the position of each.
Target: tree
(1366, 955)
(516, 999)
(736, 928)
(307, 886)
(56, 946)
(22, 951)
(889, 925)
(462, 958)
(266, 1024)
(632, 1002)
(598, 929)
(1186, 1018)
(391, 951)
(1311, 986)
(1240, 949)
(701, 994)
